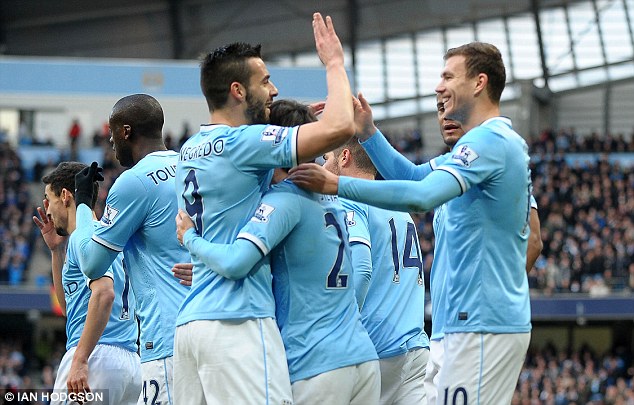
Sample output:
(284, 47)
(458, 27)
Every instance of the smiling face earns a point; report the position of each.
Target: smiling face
(456, 89)
(450, 130)
(56, 210)
(260, 93)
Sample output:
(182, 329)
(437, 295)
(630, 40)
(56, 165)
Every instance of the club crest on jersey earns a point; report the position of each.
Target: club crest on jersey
(350, 218)
(465, 156)
(109, 214)
(263, 213)
(274, 134)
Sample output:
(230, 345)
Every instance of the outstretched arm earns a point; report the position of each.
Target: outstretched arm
(336, 125)
(233, 261)
(388, 161)
(400, 195)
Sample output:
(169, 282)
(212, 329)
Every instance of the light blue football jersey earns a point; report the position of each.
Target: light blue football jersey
(486, 185)
(121, 330)
(139, 219)
(487, 230)
(393, 312)
(437, 276)
(221, 175)
(312, 279)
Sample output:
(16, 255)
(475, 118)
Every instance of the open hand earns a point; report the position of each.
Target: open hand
(314, 177)
(184, 272)
(47, 228)
(363, 121)
(327, 42)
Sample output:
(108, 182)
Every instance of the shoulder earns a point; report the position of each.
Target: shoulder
(287, 187)
(355, 206)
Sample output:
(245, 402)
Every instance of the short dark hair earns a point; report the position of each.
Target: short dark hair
(224, 66)
(360, 157)
(290, 113)
(142, 112)
(481, 57)
(63, 176)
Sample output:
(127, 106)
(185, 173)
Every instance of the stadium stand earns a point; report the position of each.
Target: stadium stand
(16, 231)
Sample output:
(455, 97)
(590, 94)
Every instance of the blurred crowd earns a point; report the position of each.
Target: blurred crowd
(17, 235)
(586, 208)
(19, 369)
(552, 377)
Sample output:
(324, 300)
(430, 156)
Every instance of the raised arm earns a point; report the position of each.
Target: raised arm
(94, 258)
(336, 125)
(57, 245)
(388, 161)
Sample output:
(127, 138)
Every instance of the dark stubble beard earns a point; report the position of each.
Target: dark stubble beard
(256, 111)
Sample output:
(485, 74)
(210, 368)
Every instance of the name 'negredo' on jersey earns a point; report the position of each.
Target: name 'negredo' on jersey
(221, 175)
(139, 220)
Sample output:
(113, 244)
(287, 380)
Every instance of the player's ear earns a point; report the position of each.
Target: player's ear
(345, 156)
(238, 91)
(67, 197)
(127, 131)
(480, 84)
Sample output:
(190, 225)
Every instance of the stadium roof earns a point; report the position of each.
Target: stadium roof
(394, 48)
(182, 29)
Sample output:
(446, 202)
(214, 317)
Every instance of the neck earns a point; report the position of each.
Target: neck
(481, 114)
(357, 173)
(232, 116)
(72, 224)
(146, 147)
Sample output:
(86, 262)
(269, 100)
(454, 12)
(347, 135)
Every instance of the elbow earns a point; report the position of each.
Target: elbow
(233, 273)
(342, 130)
(537, 244)
(104, 296)
(347, 130)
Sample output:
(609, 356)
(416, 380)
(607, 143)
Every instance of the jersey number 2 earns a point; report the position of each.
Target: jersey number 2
(335, 279)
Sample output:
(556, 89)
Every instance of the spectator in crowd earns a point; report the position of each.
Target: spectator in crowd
(16, 235)
(74, 133)
(552, 376)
